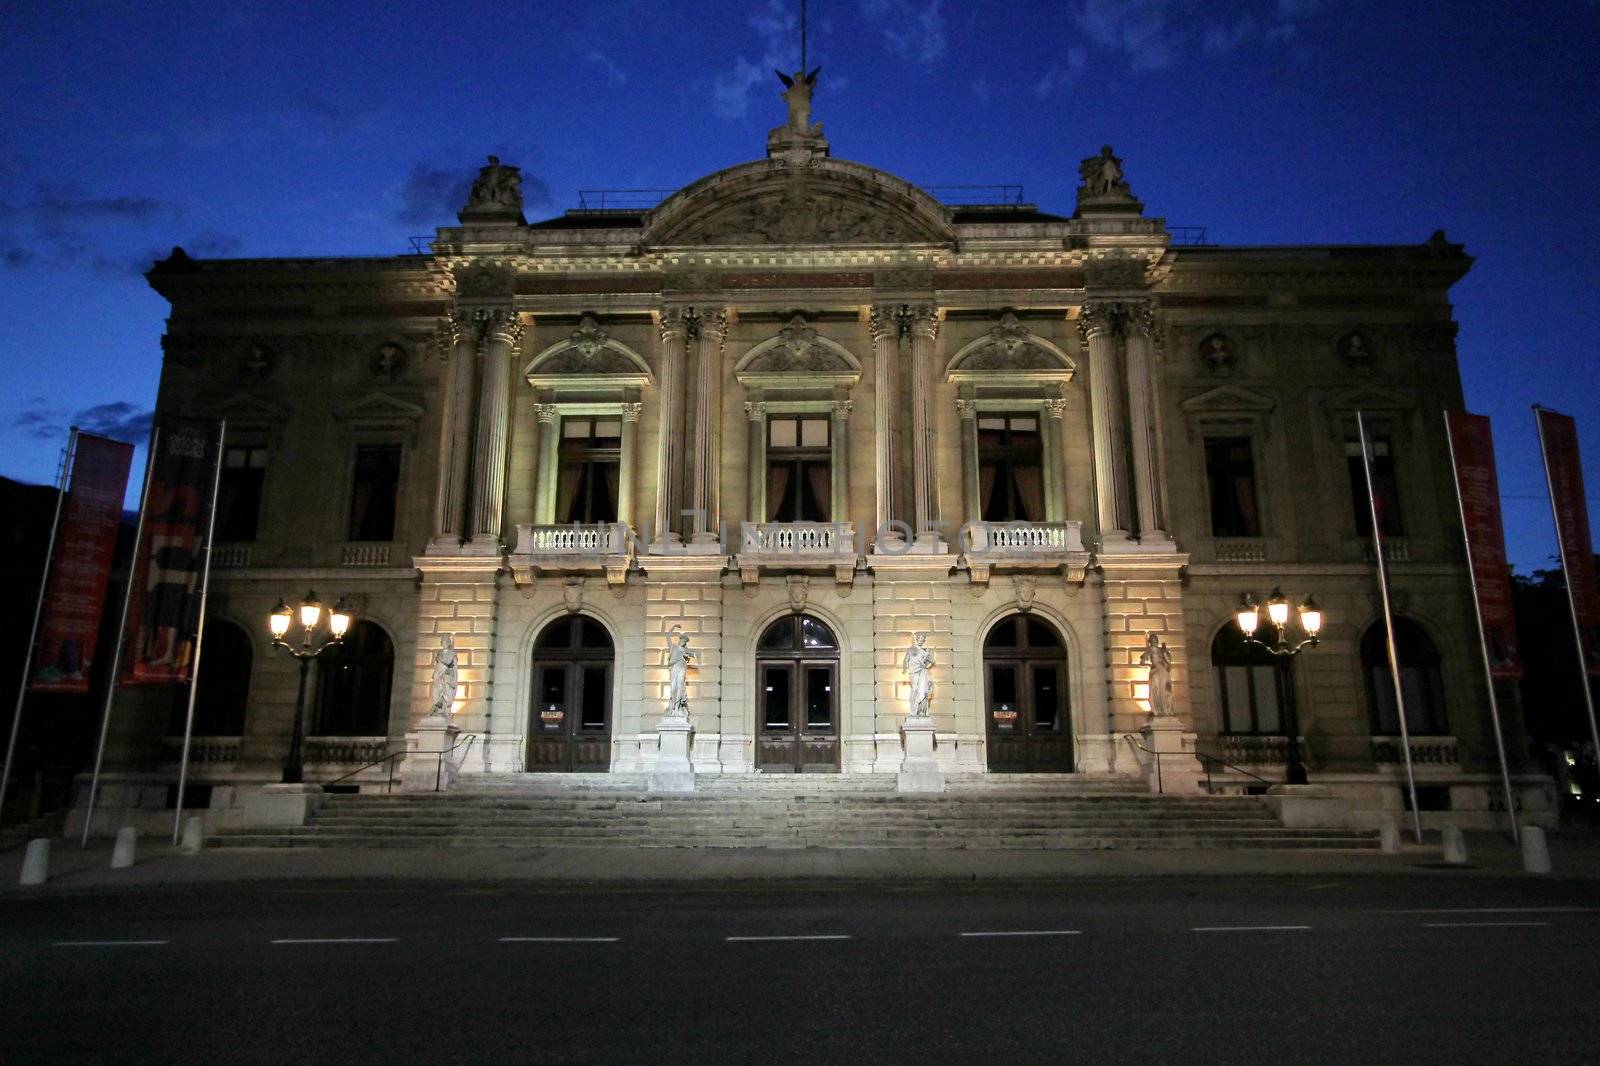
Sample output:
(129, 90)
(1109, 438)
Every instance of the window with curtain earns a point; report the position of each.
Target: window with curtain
(1231, 486)
(1255, 687)
(799, 468)
(1420, 680)
(1385, 487)
(373, 490)
(353, 684)
(239, 492)
(1010, 468)
(589, 469)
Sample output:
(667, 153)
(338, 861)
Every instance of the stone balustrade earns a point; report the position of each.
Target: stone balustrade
(230, 556)
(1425, 751)
(365, 555)
(821, 539)
(604, 538)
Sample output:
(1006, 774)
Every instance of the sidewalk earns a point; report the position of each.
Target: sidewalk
(1574, 855)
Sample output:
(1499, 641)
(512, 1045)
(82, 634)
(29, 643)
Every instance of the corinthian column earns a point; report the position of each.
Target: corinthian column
(839, 506)
(544, 490)
(1110, 460)
(971, 505)
(669, 451)
(756, 491)
(455, 437)
(1141, 423)
(1055, 476)
(924, 476)
(707, 496)
(885, 327)
(629, 467)
(489, 452)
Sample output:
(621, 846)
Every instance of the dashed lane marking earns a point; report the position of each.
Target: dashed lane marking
(1480, 925)
(1027, 932)
(812, 936)
(559, 939)
(108, 943)
(337, 940)
(1250, 928)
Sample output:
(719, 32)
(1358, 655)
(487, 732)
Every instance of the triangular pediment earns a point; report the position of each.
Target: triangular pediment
(1371, 398)
(245, 407)
(378, 407)
(1229, 399)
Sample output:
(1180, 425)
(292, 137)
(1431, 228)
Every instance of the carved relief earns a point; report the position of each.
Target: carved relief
(1026, 587)
(1009, 346)
(572, 593)
(799, 587)
(1218, 353)
(589, 350)
(259, 362)
(800, 216)
(1356, 351)
(796, 349)
(388, 361)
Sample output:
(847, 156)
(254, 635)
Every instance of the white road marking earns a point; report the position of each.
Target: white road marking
(108, 943)
(1029, 932)
(337, 940)
(558, 940)
(1493, 910)
(814, 936)
(1478, 925)
(1250, 928)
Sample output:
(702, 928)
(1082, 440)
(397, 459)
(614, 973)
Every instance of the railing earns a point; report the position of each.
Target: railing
(605, 538)
(825, 539)
(345, 749)
(204, 749)
(230, 556)
(1206, 759)
(1188, 235)
(1256, 750)
(365, 555)
(1432, 751)
(1025, 538)
(621, 199)
(975, 195)
(1241, 550)
(438, 771)
(1395, 550)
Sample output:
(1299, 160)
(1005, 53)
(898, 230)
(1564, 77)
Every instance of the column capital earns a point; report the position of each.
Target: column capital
(755, 410)
(503, 324)
(968, 409)
(711, 322)
(1141, 319)
(1055, 408)
(884, 321)
(550, 414)
(673, 321)
(1098, 317)
(923, 320)
(630, 411)
(842, 408)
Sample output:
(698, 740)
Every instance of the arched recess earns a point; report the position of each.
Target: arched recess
(222, 685)
(355, 680)
(1026, 694)
(1255, 689)
(797, 704)
(1421, 680)
(572, 675)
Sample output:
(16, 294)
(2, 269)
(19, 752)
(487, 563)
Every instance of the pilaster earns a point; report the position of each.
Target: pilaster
(706, 497)
(455, 437)
(924, 323)
(884, 325)
(669, 451)
(1105, 392)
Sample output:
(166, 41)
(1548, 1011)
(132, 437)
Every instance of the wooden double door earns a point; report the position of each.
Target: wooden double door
(797, 697)
(569, 722)
(1025, 697)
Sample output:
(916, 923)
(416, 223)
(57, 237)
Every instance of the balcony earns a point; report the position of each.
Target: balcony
(230, 556)
(1395, 550)
(798, 546)
(1241, 550)
(210, 752)
(1023, 546)
(1425, 751)
(365, 555)
(573, 549)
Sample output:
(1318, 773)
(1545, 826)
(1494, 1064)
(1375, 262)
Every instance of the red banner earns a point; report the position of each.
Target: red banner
(81, 565)
(1558, 436)
(165, 609)
(1472, 445)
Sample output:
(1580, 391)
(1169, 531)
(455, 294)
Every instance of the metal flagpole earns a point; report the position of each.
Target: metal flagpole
(38, 612)
(1483, 640)
(1566, 574)
(122, 626)
(1388, 627)
(200, 631)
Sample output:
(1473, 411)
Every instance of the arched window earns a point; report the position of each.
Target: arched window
(1025, 692)
(222, 688)
(1255, 687)
(353, 684)
(1420, 681)
(569, 724)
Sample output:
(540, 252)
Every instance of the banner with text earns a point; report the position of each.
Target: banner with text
(1558, 436)
(165, 609)
(81, 565)
(1472, 444)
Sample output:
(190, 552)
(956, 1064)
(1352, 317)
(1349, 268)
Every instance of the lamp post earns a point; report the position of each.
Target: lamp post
(310, 615)
(1249, 618)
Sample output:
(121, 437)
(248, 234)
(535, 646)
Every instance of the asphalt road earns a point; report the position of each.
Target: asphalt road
(1227, 970)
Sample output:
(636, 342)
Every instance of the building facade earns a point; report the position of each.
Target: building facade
(804, 410)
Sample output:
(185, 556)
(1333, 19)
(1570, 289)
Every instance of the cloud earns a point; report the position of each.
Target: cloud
(57, 205)
(1153, 35)
(432, 194)
(914, 32)
(778, 32)
(119, 420)
(730, 90)
(58, 226)
(1219, 39)
(608, 66)
(1058, 76)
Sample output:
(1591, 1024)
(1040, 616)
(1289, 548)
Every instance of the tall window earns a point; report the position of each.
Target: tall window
(373, 490)
(1420, 681)
(239, 493)
(1385, 489)
(1255, 686)
(222, 687)
(1231, 485)
(590, 469)
(353, 683)
(799, 469)
(1010, 468)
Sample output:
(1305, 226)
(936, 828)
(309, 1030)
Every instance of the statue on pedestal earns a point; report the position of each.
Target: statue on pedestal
(1158, 657)
(919, 665)
(797, 94)
(444, 679)
(1102, 177)
(498, 187)
(679, 657)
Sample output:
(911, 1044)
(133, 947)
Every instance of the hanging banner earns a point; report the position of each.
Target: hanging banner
(1472, 445)
(1558, 436)
(165, 608)
(81, 567)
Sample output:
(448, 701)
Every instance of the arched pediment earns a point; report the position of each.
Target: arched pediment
(1010, 350)
(588, 358)
(797, 357)
(829, 201)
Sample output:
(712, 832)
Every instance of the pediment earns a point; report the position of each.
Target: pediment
(1009, 349)
(1371, 398)
(1229, 399)
(376, 407)
(830, 201)
(797, 357)
(246, 408)
(589, 357)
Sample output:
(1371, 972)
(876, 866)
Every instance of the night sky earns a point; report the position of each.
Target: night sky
(304, 129)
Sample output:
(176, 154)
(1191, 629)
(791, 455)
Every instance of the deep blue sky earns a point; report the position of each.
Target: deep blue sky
(307, 129)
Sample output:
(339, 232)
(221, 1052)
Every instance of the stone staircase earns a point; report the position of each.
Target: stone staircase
(1020, 811)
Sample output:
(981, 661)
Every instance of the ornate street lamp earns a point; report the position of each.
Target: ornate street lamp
(310, 612)
(1248, 616)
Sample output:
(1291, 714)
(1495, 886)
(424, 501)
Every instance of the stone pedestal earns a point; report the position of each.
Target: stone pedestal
(919, 770)
(424, 769)
(281, 805)
(1303, 806)
(674, 772)
(1173, 768)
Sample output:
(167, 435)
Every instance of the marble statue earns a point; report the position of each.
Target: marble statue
(497, 186)
(1158, 657)
(919, 665)
(444, 679)
(1102, 175)
(797, 94)
(679, 657)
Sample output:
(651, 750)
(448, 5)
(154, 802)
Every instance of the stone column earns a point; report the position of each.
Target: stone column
(489, 451)
(544, 491)
(669, 450)
(885, 327)
(628, 475)
(924, 477)
(1105, 411)
(756, 490)
(707, 496)
(1141, 423)
(971, 505)
(839, 506)
(455, 437)
(1055, 467)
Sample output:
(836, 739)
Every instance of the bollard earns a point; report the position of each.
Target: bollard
(1455, 845)
(194, 834)
(1389, 838)
(36, 862)
(1535, 850)
(122, 853)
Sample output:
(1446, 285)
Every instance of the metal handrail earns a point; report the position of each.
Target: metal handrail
(466, 738)
(1136, 744)
(1208, 759)
(386, 758)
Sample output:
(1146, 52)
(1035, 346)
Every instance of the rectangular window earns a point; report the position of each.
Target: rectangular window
(244, 469)
(589, 469)
(799, 469)
(373, 492)
(1251, 699)
(1010, 468)
(1231, 485)
(1385, 488)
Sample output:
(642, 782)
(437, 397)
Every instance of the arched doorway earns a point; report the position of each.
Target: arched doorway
(222, 686)
(1421, 682)
(797, 697)
(569, 724)
(354, 679)
(1025, 692)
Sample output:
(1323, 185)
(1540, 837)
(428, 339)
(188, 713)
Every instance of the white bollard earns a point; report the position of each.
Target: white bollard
(1455, 845)
(122, 852)
(1535, 850)
(36, 862)
(1389, 838)
(194, 835)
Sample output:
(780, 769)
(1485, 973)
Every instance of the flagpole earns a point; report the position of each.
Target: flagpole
(1566, 574)
(1388, 628)
(1483, 639)
(122, 626)
(38, 612)
(200, 631)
